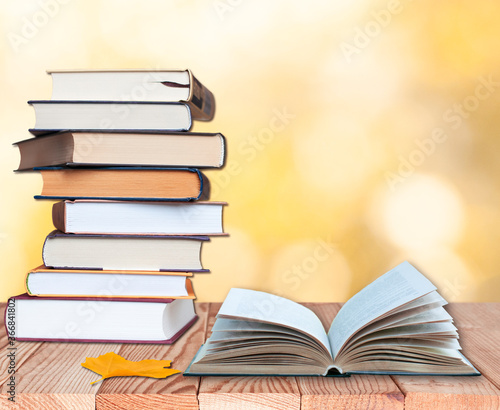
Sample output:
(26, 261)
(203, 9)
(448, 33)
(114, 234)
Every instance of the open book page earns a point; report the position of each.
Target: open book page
(263, 307)
(397, 342)
(430, 301)
(434, 315)
(239, 331)
(400, 285)
(251, 329)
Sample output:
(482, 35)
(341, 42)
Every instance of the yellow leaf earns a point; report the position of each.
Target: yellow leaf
(111, 364)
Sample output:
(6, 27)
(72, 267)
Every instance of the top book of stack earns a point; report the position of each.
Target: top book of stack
(123, 100)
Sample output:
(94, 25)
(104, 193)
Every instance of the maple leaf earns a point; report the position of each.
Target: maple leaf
(112, 364)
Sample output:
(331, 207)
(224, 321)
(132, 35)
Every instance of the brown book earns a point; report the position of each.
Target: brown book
(124, 183)
(169, 149)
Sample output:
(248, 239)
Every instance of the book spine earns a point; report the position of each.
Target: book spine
(22, 158)
(223, 148)
(50, 235)
(201, 100)
(5, 317)
(59, 216)
(189, 288)
(26, 284)
(204, 188)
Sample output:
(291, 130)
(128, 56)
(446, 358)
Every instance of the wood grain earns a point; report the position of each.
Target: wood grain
(475, 315)
(3, 346)
(479, 335)
(363, 392)
(22, 352)
(173, 392)
(249, 393)
(49, 375)
(448, 392)
(479, 330)
(246, 392)
(212, 313)
(52, 377)
(2, 317)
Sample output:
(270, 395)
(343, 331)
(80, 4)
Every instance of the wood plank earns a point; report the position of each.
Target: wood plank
(174, 392)
(249, 393)
(448, 392)
(364, 392)
(479, 330)
(22, 352)
(49, 375)
(212, 313)
(475, 315)
(52, 377)
(476, 392)
(246, 392)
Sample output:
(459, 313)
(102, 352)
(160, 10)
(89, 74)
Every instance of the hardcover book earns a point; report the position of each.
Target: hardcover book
(124, 183)
(123, 252)
(135, 85)
(82, 319)
(126, 148)
(52, 116)
(146, 218)
(395, 325)
(44, 282)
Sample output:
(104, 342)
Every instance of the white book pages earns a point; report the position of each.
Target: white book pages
(400, 285)
(264, 307)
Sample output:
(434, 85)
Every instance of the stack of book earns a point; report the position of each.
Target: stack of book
(115, 148)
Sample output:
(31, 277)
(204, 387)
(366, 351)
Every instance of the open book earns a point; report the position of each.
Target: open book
(395, 325)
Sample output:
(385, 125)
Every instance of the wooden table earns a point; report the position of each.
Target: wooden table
(49, 375)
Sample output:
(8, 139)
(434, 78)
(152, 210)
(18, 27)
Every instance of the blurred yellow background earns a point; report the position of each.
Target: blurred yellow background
(360, 133)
